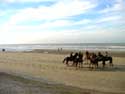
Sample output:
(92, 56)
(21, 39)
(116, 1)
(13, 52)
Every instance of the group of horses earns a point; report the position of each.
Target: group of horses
(92, 59)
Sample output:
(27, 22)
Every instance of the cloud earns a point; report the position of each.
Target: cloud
(62, 21)
(117, 6)
(59, 10)
(110, 19)
(44, 26)
(24, 1)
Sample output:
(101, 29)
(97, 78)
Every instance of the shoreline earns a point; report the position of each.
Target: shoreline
(68, 51)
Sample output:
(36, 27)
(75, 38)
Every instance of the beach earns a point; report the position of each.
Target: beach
(46, 65)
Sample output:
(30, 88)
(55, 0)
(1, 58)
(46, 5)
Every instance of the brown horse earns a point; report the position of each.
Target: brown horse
(87, 57)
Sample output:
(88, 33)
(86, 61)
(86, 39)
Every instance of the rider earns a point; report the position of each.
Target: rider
(93, 56)
(87, 55)
(106, 54)
(80, 54)
(71, 55)
(100, 55)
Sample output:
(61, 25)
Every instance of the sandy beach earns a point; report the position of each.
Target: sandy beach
(47, 66)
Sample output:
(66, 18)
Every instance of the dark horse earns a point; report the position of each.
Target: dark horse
(107, 58)
(70, 58)
(95, 59)
(76, 59)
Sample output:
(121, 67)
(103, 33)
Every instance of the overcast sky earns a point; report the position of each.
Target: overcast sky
(62, 21)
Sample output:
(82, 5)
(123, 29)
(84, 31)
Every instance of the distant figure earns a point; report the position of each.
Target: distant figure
(3, 50)
(58, 49)
(61, 49)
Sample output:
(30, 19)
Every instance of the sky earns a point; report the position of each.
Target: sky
(62, 21)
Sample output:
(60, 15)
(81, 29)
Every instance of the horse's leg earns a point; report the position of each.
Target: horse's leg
(73, 64)
(81, 64)
(103, 63)
(76, 64)
(111, 63)
(90, 64)
(96, 64)
(86, 61)
(67, 62)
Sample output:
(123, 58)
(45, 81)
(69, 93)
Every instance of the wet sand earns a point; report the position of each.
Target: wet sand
(11, 84)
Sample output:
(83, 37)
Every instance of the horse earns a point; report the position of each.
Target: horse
(101, 58)
(109, 59)
(70, 58)
(93, 61)
(87, 57)
(77, 59)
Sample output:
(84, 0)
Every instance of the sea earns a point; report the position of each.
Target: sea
(66, 46)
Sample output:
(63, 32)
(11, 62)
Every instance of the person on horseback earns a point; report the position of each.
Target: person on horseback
(76, 55)
(87, 54)
(93, 57)
(93, 61)
(100, 56)
(79, 60)
(75, 58)
(86, 57)
(71, 55)
(80, 55)
(106, 54)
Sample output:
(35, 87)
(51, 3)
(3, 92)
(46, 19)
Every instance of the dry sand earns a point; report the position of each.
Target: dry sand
(49, 66)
